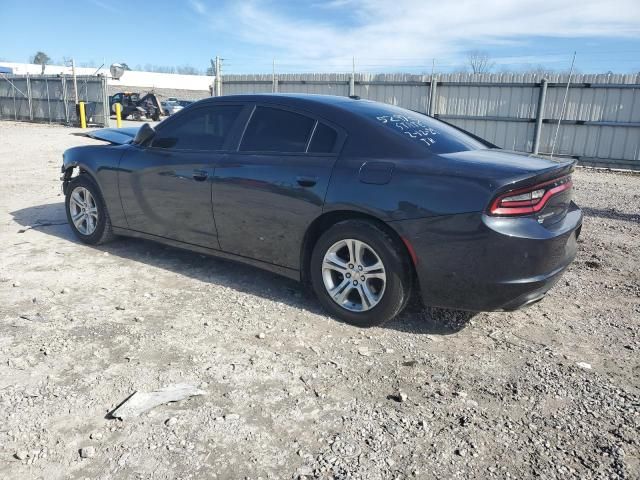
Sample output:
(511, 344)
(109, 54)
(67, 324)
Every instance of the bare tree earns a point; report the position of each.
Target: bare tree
(480, 62)
(188, 70)
(41, 58)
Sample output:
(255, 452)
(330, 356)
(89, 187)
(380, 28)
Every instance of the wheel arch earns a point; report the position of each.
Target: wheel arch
(327, 220)
(82, 169)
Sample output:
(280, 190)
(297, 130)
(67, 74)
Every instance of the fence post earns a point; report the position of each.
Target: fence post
(427, 96)
(352, 78)
(29, 98)
(432, 97)
(274, 79)
(64, 99)
(46, 81)
(15, 107)
(539, 116)
(106, 107)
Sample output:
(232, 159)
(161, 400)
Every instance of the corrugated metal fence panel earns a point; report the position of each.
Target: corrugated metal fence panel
(6, 100)
(404, 90)
(602, 104)
(51, 98)
(330, 84)
(245, 84)
(500, 107)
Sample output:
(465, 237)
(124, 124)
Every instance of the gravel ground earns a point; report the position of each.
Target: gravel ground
(551, 391)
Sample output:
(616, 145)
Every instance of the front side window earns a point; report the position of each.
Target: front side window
(275, 130)
(201, 129)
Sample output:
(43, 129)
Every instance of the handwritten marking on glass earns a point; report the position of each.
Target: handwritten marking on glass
(413, 128)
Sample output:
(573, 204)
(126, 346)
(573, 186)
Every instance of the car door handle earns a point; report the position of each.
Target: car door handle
(200, 175)
(307, 181)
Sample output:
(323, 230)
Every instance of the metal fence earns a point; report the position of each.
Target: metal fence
(52, 98)
(600, 126)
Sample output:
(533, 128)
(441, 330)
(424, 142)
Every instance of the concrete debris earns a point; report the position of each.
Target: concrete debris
(141, 402)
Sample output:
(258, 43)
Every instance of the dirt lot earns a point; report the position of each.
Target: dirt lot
(497, 395)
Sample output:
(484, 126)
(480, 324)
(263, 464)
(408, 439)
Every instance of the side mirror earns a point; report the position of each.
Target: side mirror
(145, 134)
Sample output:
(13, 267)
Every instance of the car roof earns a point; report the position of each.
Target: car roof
(332, 107)
(279, 97)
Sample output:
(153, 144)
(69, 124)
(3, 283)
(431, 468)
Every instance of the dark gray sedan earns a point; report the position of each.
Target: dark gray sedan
(365, 201)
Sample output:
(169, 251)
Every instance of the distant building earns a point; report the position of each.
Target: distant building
(130, 78)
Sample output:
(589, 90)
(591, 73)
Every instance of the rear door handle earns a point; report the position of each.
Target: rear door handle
(307, 181)
(200, 175)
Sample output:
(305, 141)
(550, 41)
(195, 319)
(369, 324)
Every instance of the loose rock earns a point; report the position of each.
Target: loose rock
(88, 452)
(21, 455)
(169, 422)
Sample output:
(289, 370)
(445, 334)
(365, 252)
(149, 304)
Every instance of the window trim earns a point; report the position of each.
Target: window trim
(337, 148)
(313, 132)
(227, 146)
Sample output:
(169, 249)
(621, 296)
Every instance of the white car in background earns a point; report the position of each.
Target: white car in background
(170, 107)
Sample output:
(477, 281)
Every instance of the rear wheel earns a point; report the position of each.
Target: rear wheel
(360, 273)
(86, 211)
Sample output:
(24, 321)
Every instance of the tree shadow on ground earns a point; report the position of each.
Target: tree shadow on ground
(51, 219)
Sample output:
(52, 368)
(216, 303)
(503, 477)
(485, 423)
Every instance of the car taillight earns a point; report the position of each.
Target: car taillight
(528, 200)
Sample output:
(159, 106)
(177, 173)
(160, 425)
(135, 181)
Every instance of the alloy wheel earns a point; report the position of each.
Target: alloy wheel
(83, 210)
(354, 275)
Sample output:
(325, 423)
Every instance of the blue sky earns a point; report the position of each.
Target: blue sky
(321, 36)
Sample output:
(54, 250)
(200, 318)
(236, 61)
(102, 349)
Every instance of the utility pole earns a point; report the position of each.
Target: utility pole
(218, 81)
(75, 81)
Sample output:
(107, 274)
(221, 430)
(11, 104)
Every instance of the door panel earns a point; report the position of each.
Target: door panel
(264, 203)
(168, 193)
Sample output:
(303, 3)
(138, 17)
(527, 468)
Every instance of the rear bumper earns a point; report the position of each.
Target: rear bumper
(481, 263)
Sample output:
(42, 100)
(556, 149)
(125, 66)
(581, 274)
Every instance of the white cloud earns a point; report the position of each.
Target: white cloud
(105, 6)
(198, 6)
(399, 32)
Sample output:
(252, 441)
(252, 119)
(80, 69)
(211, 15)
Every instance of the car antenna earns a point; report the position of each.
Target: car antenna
(564, 104)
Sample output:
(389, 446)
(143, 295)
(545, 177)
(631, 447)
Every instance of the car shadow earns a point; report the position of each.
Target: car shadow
(51, 219)
(611, 213)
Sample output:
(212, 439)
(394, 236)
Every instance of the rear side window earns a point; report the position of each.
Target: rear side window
(275, 130)
(324, 139)
(201, 129)
(436, 136)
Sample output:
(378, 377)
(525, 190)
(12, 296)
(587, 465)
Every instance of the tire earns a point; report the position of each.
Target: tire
(389, 296)
(101, 231)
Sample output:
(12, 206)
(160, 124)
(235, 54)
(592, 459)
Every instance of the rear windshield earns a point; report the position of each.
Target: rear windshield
(436, 136)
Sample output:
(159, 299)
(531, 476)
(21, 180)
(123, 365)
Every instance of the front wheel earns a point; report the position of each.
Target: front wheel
(360, 273)
(86, 211)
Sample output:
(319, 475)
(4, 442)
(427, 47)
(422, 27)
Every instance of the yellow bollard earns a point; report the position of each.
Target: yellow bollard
(83, 117)
(118, 115)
